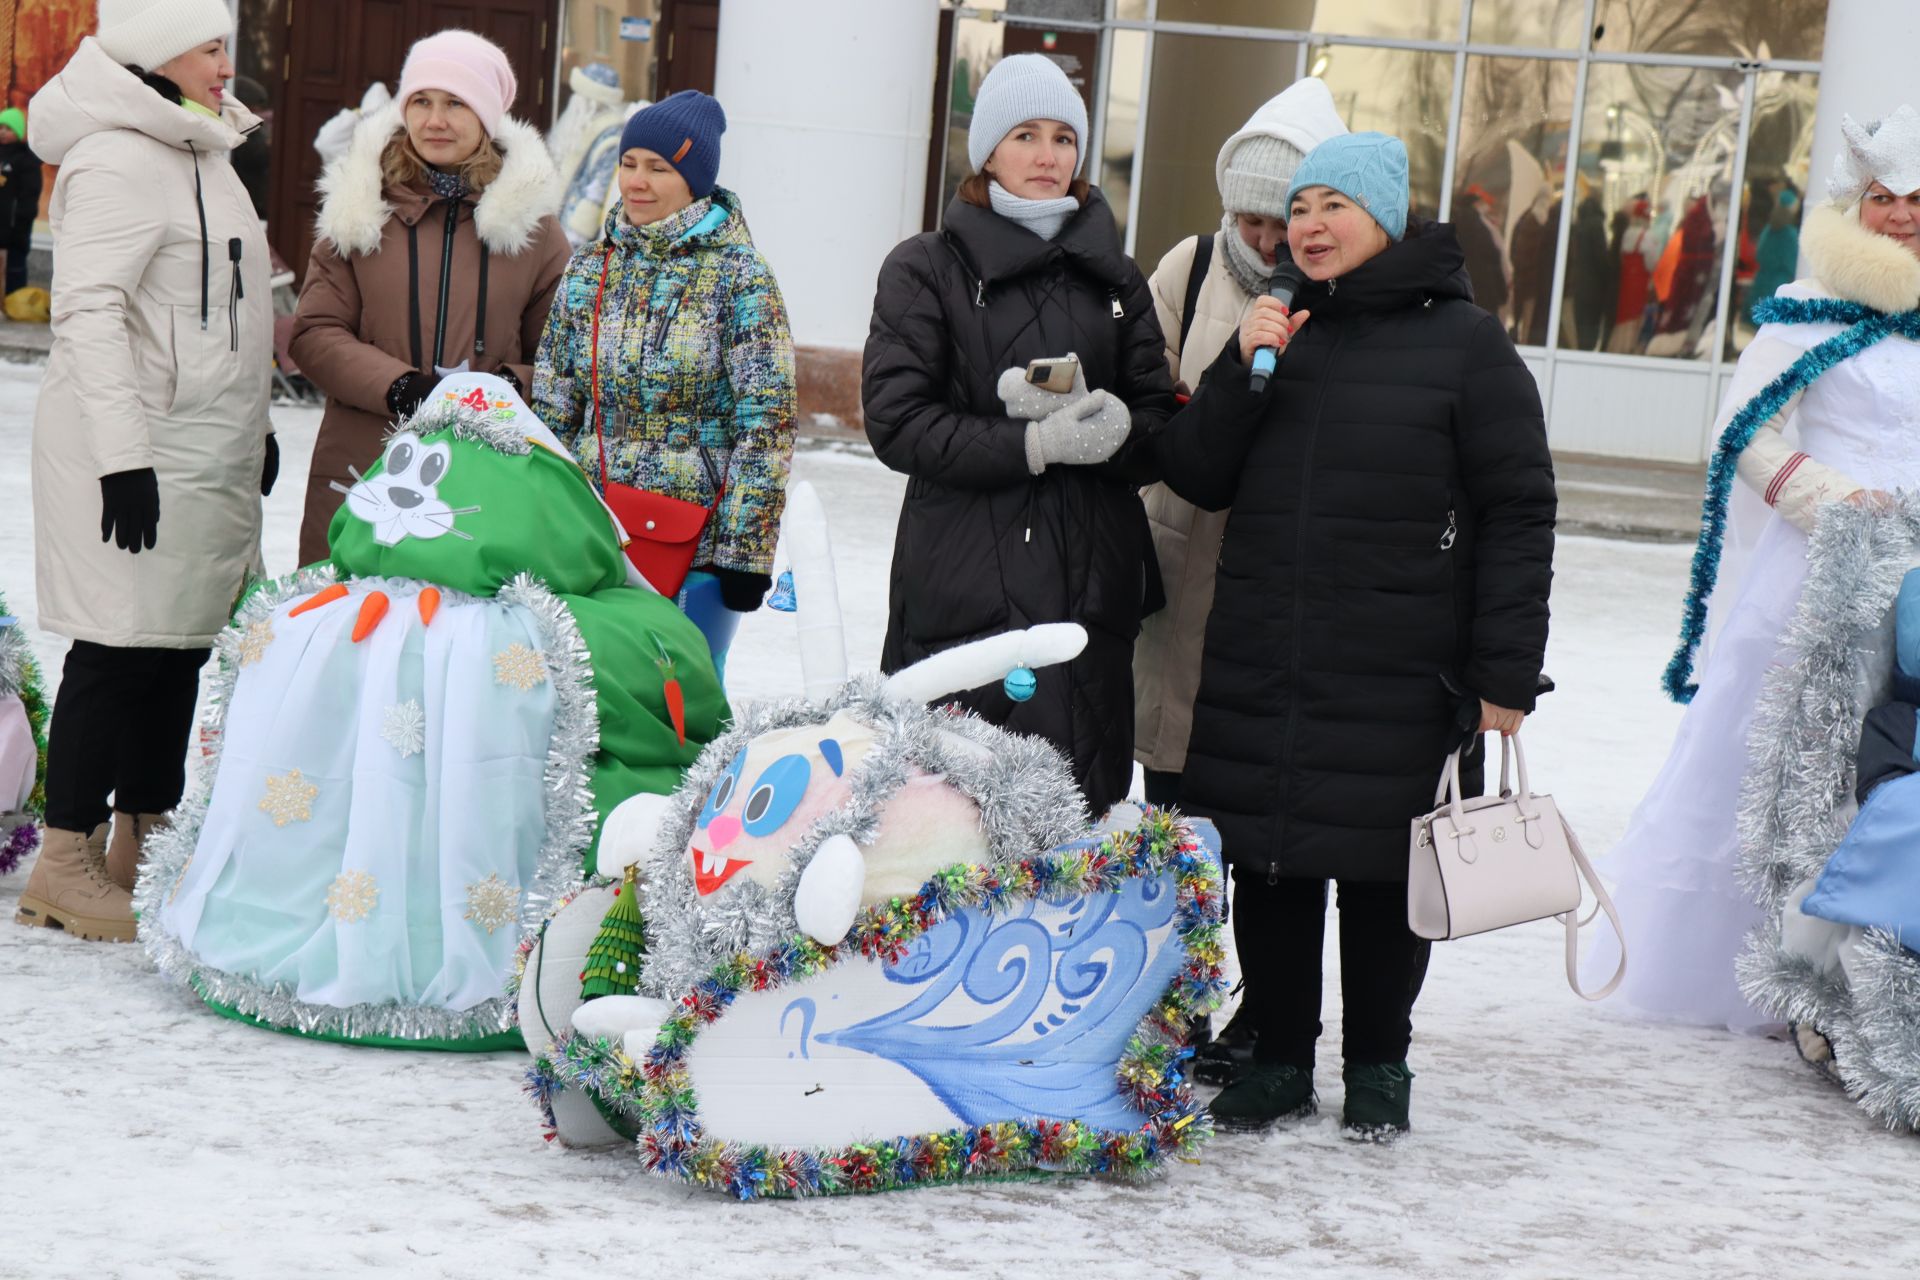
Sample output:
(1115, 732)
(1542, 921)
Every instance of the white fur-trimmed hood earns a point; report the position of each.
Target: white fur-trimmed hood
(1855, 264)
(354, 208)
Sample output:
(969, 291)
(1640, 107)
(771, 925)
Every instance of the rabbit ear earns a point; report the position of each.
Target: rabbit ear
(816, 590)
(969, 666)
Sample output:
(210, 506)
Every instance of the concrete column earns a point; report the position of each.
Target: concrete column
(829, 112)
(1866, 71)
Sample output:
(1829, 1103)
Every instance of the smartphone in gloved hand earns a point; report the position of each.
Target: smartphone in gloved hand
(1054, 373)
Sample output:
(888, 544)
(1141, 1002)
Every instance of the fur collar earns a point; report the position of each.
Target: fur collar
(1855, 264)
(354, 208)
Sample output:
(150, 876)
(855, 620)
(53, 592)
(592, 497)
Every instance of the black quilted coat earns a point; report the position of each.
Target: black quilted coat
(1391, 536)
(983, 545)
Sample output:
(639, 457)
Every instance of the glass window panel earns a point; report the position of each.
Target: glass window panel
(1779, 150)
(976, 47)
(1400, 91)
(1179, 195)
(1394, 19)
(1071, 10)
(1542, 24)
(1131, 10)
(1656, 154)
(1747, 28)
(591, 33)
(1119, 137)
(1508, 176)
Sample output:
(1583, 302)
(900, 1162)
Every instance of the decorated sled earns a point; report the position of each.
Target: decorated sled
(1838, 955)
(412, 746)
(23, 744)
(873, 944)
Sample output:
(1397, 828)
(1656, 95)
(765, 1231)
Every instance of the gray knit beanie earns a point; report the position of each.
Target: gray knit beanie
(1027, 86)
(1257, 175)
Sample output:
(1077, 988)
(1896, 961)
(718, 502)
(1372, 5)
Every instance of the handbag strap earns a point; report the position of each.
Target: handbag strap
(1572, 921)
(599, 298)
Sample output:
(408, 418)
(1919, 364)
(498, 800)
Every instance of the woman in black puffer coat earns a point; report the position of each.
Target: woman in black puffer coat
(1009, 522)
(1382, 587)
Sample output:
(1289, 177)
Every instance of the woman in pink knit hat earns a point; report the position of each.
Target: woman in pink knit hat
(438, 251)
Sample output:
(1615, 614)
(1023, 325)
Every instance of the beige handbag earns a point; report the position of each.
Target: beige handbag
(1494, 861)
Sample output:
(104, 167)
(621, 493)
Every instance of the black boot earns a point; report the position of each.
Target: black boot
(1265, 1094)
(1225, 1057)
(1379, 1098)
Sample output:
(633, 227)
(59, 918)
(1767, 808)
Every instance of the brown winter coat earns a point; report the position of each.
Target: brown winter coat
(352, 335)
(1166, 658)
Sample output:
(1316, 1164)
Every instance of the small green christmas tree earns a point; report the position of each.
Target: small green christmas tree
(613, 961)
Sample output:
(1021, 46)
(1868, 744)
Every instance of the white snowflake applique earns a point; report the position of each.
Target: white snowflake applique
(492, 903)
(519, 667)
(405, 728)
(253, 644)
(289, 798)
(352, 897)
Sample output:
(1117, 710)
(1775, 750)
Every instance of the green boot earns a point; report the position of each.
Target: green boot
(1264, 1094)
(1379, 1095)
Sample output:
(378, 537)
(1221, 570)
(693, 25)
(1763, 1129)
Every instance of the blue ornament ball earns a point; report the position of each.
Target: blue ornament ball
(1020, 683)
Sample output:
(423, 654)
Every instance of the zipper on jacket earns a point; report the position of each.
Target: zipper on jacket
(1453, 531)
(206, 264)
(980, 293)
(1300, 590)
(235, 292)
(446, 282)
(1119, 312)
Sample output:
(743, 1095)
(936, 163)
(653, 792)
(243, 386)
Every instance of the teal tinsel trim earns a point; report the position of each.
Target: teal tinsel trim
(1867, 327)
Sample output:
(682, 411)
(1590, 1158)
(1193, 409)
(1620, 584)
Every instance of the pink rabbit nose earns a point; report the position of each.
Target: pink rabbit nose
(723, 831)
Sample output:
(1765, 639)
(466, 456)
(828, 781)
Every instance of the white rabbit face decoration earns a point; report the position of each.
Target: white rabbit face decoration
(403, 501)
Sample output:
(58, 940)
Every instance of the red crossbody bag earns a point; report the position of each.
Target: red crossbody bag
(663, 533)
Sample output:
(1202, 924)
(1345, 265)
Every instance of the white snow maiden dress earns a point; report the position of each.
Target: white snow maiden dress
(1854, 425)
(414, 743)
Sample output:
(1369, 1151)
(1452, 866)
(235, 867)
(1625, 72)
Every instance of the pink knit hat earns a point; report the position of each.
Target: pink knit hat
(472, 68)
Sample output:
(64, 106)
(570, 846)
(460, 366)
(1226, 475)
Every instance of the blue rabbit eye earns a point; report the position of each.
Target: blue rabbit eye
(776, 793)
(723, 790)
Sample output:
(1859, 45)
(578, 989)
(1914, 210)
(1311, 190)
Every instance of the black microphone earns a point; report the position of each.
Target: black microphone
(1287, 279)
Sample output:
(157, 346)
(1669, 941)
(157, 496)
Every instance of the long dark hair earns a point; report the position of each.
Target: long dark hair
(159, 84)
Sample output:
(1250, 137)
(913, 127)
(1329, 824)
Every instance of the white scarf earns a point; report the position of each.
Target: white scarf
(1042, 217)
(1249, 270)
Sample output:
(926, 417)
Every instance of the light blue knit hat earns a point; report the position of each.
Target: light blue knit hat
(1027, 86)
(1368, 168)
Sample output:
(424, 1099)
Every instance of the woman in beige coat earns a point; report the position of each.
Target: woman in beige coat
(151, 443)
(438, 252)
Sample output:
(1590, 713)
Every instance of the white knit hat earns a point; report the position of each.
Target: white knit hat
(1027, 86)
(1256, 165)
(146, 33)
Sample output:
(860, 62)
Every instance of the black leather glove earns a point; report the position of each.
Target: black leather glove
(512, 379)
(130, 509)
(741, 592)
(270, 470)
(407, 392)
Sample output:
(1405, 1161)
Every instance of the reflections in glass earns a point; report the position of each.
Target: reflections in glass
(1656, 160)
(1747, 28)
(1508, 179)
(1392, 19)
(976, 47)
(1779, 151)
(1403, 92)
(1179, 194)
(1529, 24)
(1119, 138)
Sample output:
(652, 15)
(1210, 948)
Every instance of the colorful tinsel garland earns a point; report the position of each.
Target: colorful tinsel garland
(656, 1097)
(1866, 327)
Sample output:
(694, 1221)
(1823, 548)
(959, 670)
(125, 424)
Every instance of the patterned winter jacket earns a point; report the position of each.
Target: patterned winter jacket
(694, 355)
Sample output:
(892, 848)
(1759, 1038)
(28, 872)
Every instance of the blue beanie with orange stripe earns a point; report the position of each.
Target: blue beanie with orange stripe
(684, 130)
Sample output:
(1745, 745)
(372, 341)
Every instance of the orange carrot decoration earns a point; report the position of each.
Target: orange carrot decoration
(429, 604)
(325, 596)
(670, 687)
(372, 609)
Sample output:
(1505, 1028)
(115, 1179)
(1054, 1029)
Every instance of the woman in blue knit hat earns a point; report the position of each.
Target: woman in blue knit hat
(1381, 595)
(667, 367)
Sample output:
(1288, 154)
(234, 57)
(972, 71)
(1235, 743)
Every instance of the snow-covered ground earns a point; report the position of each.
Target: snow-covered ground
(153, 1139)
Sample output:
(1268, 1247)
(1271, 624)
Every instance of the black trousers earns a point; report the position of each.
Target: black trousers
(120, 727)
(1162, 788)
(1279, 930)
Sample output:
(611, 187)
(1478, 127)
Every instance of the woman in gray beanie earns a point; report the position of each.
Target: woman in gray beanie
(1202, 291)
(1022, 505)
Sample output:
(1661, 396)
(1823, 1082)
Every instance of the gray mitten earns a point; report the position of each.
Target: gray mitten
(1030, 403)
(1080, 434)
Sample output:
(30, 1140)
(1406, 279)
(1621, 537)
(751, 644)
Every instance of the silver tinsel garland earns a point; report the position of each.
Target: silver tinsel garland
(479, 426)
(1024, 787)
(569, 825)
(1797, 802)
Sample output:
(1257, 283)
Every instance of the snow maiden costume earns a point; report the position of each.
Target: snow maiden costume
(23, 744)
(1826, 401)
(876, 945)
(414, 742)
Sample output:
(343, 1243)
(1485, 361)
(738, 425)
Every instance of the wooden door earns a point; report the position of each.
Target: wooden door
(690, 44)
(334, 49)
